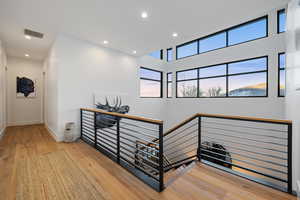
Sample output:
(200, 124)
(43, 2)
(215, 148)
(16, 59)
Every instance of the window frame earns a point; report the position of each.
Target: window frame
(149, 79)
(169, 49)
(167, 80)
(278, 20)
(227, 75)
(227, 41)
(279, 70)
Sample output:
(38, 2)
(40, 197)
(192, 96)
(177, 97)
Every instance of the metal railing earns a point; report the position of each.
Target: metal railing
(257, 149)
(128, 141)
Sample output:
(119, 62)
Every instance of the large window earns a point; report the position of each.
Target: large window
(246, 78)
(169, 54)
(281, 82)
(157, 54)
(150, 83)
(246, 32)
(169, 85)
(281, 21)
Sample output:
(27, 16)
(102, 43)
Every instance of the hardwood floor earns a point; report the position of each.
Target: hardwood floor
(34, 166)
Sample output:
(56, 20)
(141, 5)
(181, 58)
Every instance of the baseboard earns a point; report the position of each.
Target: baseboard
(52, 133)
(24, 123)
(2, 132)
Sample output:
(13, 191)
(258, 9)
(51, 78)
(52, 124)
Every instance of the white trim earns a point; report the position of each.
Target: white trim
(2, 133)
(52, 133)
(24, 123)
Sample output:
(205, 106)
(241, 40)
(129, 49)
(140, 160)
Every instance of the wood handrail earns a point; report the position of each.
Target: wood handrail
(227, 117)
(255, 119)
(153, 121)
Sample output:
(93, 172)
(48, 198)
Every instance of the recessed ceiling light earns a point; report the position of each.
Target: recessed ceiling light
(26, 55)
(27, 37)
(105, 42)
(134, 52)
(144, 15)
(175, 34)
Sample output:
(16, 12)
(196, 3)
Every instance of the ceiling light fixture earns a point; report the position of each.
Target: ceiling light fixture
(175, 34)
(144, 15)
(26, 55)
(134, 52)
(105, 42)
(27, 37)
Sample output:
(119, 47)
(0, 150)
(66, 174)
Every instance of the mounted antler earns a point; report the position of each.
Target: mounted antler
(105, 121)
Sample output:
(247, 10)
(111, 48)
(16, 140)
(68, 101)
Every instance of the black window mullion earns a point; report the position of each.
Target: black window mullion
(227, 39)
(198, 81)
(227, 81)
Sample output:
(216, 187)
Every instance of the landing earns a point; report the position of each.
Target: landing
(34, 166)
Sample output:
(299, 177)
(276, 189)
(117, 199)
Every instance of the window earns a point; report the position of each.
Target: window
(281, 21)
(188, 49)
(281, 82)
(210, 43)
(150, 83)
(169, 54)
(212, 81)
(246, 32)
(157, 54)
(169, 85)
(246, 78)
(187, 83)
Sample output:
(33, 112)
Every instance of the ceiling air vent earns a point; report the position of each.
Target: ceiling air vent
(33, 33)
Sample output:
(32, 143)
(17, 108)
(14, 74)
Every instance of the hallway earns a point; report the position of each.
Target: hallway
(34, 166)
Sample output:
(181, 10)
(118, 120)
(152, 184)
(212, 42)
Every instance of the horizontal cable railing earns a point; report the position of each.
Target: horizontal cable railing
(255, 148)
(128, 140)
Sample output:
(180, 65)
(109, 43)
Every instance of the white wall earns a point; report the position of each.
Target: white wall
(23, 111)
(82, 69)
(50, 69)
(292, 102)
(270, 107)
(2, 90)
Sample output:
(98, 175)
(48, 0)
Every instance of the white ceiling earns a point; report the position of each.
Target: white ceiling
(119, 21)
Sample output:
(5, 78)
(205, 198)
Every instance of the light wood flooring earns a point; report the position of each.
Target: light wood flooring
(35, 167)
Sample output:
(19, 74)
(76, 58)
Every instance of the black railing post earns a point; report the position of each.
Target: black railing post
(80, 123)
(118, 141)
(290, 164)
(199, 138)
(161, 158)
(95, 129)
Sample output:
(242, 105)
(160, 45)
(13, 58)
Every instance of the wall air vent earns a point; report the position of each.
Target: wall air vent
(33, 33)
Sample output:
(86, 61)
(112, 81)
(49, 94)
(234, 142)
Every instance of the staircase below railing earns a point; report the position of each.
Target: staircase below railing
(257, 149)
(254, 148)
(128, 141)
